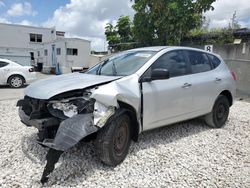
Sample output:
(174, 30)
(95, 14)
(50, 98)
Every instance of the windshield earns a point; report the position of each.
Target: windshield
(122, 64)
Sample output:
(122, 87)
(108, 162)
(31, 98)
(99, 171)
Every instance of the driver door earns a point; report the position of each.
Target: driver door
(170, 100)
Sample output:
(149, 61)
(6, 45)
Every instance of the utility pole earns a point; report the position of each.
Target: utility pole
(233, 24)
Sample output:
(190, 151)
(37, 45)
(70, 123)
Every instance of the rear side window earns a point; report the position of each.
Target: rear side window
(174, 62)
(199, 62)
(214, 60)
(3, 64)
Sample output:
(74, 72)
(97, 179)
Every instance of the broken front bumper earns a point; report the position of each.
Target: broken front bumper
(66, 132)
(69, 133)
(40, 124)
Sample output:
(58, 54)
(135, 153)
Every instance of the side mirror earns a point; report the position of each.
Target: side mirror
(157, 74)
(160, 74)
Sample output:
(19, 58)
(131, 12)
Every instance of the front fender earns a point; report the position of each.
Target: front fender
(125, 90)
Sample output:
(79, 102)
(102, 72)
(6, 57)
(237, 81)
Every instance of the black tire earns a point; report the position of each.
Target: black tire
(219, 115)
(113, 140)
(16, 81)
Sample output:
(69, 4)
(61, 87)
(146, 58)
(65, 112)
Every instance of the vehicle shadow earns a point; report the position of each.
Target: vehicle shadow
(8, 87)
(81, 161)
(171, 133)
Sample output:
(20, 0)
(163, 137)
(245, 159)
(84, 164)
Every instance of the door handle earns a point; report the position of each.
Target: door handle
(217, 79)
(186, 85)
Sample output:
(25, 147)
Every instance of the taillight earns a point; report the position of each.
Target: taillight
(31, 70)
(233, 75)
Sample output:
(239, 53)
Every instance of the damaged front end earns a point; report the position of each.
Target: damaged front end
(63, 121)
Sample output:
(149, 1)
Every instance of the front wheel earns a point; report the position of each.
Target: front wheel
(219, 115)
(113, 140)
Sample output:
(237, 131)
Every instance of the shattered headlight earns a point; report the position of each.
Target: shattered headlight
(68, 108)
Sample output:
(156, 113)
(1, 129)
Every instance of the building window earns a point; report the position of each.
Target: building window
(45, 52)
(39, 38)
(58, 51)
(36, 37)
(32, 38)
(38, 53)
(72, 51)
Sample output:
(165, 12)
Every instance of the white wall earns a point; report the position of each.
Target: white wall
(95, 59)
(83, 57)
(15, 41)
(15, 38)
(18, 36)
(66, 62)
(21, 56)
(22, 60)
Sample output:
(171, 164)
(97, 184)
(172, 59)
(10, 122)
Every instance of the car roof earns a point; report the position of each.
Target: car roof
(151, 48)
(159, 48)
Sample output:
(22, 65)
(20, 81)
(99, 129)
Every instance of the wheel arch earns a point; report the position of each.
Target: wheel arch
(131, 112)
(229, 96)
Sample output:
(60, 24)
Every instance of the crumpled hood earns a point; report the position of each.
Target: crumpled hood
(50, 87)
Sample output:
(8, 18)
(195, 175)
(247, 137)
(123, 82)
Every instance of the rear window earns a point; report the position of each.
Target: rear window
(3, 64)
(214, 60)
(199, 62)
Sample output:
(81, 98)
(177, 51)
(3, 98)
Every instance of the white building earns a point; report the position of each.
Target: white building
(27, 45)
(65, 53)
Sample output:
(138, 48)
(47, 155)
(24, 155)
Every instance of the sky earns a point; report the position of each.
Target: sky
(87, 18)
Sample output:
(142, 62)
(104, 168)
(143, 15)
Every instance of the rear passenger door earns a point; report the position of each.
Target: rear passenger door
(204, 80)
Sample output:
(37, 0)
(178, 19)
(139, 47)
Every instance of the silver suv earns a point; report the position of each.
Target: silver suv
(128, 93)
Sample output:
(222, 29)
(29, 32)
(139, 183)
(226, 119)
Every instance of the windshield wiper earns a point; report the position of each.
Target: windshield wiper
(98, 71)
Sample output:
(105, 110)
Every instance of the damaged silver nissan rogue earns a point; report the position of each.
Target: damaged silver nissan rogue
(130, 92)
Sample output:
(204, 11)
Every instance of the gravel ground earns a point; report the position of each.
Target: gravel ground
(187, 154)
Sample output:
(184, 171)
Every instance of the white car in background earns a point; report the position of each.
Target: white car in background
(15, 75)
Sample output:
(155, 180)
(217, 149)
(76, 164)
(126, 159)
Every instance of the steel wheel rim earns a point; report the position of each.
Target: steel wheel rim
(221, 113)
(121, 138)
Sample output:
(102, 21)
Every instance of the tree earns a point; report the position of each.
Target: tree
(165, 22)
(111, 34)
(124, 28)
(120, 36)
(143, 26)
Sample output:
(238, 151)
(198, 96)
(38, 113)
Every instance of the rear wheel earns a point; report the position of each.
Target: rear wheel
(113, 140)
(16, 81)
(219, 115)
